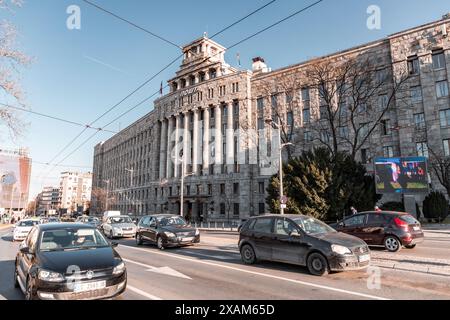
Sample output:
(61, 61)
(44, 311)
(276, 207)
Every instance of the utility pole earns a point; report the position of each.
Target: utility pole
(107, 194)
(131, 171)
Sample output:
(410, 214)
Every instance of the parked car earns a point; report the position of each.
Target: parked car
(23, 228)
(301, 240)
(54, 220)
(383, 228)
(166, 230)
(119, 226)
(53, 263)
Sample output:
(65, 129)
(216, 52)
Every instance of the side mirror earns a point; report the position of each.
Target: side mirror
(341, 224)
(114, 244)
(153, 225)
(295, 234)
(25, 250)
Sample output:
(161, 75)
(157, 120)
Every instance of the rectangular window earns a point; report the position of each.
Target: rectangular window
(274, 100)
(324, 136)
(422, 149)
(260, 123)
(236, 209)
(442, 89)
(413, 65)
(261, 208)
(222, 188)
(388, 151)
(446, 145)
(222, 209)
(385, 127)
(323, 112)
(419, 121)
(260, 105)
(290, 118)
(438, 60)
(289, 97)
(365, 156)
(343, 132)
(307, 136)
(416, 94)
(305, 94)
(261, 188)
(444, 117)
(210, 189)
(382, 102)
(236, 188)
(306, 116)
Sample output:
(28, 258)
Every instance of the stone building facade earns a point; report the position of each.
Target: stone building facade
(212, 127)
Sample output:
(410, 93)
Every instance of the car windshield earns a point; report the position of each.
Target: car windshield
(92, 219)
(168, 221)
(409, 219)
(313, 226)
(71, 239)
(53, 220)
(121, 219)
(28, 223)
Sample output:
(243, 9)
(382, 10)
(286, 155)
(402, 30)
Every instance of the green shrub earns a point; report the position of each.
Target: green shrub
(435, 207)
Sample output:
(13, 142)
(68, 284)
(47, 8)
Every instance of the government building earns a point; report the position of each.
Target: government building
(211, 131)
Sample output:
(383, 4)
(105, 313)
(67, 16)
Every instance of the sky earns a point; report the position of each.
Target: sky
(79, 74)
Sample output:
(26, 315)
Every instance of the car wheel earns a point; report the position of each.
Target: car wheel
(248, 255)
(159, 243)
(317, 264)
(16, 279)
(392, 244)
(138, 239)
(29, 293)
(410, 246)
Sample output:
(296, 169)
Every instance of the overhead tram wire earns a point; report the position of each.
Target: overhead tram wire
(132, 23)
(58, 119)
(232, 46)
(154, 76)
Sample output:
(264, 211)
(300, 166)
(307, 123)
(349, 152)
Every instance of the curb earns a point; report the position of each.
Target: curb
(411, 267)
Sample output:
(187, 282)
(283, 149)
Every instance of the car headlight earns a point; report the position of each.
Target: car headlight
(197, 232)
(340, 249)
(119, 269)
(170, 234)
(50, 276)
(117, 229)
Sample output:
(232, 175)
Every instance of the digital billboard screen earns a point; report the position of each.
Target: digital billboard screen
(401, 175)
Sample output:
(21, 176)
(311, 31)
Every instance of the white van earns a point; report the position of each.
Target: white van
(108, 214)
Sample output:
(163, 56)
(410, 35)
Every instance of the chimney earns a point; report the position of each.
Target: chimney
(259, 65)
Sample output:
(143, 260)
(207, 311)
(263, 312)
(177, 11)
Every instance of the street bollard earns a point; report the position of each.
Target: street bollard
(223, 225)
(195, 224)
(209, 225)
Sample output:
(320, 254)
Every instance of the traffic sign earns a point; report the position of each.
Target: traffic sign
(284, 199)
(283, 206)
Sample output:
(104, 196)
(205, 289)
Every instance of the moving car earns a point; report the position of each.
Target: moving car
(166, 230)
(49, 220)
(119, 226)
(301, 240)
(68, 261)
(93, 221)
(23, 228)
(385, 228)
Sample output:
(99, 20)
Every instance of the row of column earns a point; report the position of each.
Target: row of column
(176, 136)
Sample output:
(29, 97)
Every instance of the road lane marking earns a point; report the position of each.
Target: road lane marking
(162, 270)
(143, 293)
(2, 297)
(354, 293)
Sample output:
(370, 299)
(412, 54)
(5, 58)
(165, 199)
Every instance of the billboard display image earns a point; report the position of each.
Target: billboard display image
(401, 175)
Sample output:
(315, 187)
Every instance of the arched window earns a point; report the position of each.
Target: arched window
(212, 73)
(201, 76)
(192, 80)
(183, 83)
(174, 86)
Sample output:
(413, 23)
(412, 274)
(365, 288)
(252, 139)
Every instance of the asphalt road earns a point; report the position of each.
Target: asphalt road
(213, 270)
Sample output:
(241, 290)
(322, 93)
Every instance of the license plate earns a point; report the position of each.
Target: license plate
(364, 258)
(415, 228)
(187, 239)
(82, 287)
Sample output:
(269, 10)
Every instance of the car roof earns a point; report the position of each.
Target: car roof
(396, 213)
(64, 225)
(162, 215)
(274, 215)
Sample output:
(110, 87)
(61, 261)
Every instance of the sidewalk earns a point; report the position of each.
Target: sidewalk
(5, 226)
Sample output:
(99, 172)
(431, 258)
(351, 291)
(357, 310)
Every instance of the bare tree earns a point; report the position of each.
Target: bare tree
(98, 199)
(11, 61)
(355, 95)
(440, 167)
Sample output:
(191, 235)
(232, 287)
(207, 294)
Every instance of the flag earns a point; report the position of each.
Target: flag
(238, 57)
(161, 88)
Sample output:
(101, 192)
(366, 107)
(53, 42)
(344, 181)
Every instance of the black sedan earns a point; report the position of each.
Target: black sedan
(301, 240)
(68, 261)
(166, 230)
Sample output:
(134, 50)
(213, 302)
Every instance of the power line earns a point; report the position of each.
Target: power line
(147, 81)
(57, 118)
(66, 165)
(232, 46)
(131, 23)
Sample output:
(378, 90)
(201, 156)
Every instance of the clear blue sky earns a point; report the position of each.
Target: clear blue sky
(67, 80)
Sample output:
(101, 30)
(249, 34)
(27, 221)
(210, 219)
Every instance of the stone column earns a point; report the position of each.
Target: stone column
(218, 139)
(206, 139)
(186, 142)
(230, 138)
(195, 142)
(163, 149)
(177, 146)
(169, 162)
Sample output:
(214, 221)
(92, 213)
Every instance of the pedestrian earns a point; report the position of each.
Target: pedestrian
(377, 209)
(353, 210)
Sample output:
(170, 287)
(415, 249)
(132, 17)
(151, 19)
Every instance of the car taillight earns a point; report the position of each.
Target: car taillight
(401, 224)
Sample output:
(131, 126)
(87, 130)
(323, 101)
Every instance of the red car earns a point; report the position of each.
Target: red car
(386, 228)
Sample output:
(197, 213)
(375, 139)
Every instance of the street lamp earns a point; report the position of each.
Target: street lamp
(131, 171)
(107, 194)
(280, 151)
